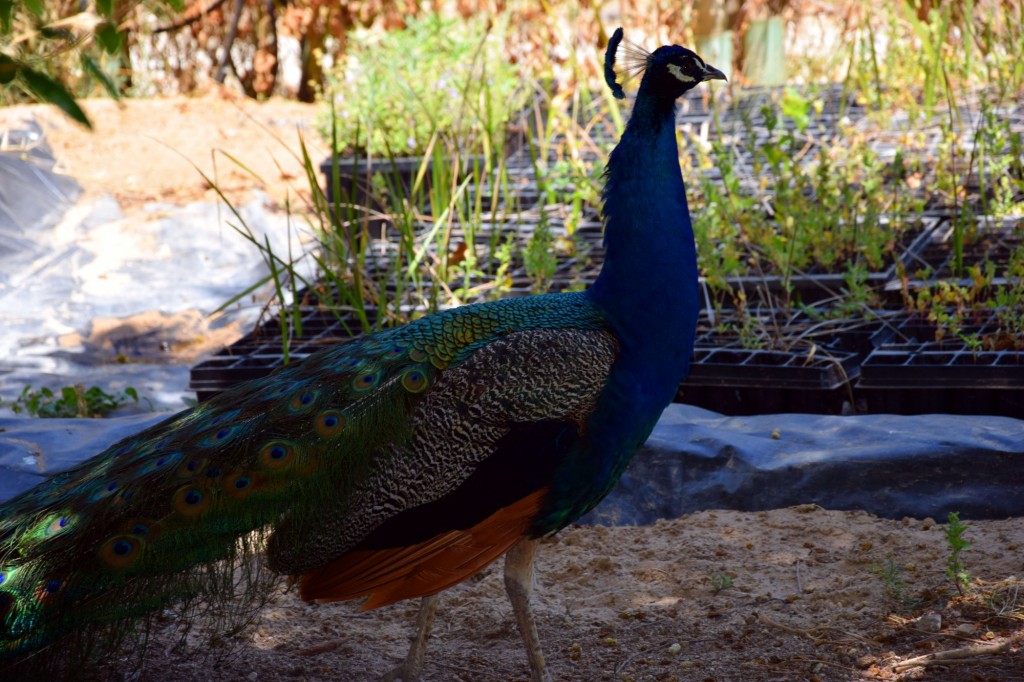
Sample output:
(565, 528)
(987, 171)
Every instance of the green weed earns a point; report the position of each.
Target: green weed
(956, 570)
(393, 91)
(720, 581)
(71, 401)
(895, 586)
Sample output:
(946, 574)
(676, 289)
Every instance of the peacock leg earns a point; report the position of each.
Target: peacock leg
(519, 584)
(412, 666)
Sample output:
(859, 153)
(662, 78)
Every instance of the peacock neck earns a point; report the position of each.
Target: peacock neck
(648, 285)
(647, 293)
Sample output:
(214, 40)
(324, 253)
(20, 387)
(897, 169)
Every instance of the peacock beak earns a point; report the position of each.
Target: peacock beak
(713, 74)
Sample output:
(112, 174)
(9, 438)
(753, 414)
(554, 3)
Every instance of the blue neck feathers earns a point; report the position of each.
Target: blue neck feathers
(648, 286)
(647, 291)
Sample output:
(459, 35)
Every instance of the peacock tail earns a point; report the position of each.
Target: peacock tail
(289, 462)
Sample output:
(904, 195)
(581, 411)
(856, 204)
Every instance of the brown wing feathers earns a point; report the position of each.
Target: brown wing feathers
(390, 575)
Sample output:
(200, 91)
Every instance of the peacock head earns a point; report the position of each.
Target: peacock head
(667, 72)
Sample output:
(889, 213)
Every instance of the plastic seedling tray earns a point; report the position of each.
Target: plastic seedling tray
(355, 181)
(934, 366)
(816, 284)
(260, 352)
(772, 368)
(993, 240)
(810, 369)
(979, 372)
(354, 171)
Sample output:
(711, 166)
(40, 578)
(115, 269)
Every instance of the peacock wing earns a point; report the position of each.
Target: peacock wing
(486, 440)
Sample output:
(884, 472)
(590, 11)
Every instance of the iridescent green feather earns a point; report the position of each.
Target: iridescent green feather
(179, 511)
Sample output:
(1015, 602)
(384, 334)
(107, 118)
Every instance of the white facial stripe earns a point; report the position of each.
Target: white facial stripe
(703, 66)
(678, 73)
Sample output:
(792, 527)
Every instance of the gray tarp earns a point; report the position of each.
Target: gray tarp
(892, 466)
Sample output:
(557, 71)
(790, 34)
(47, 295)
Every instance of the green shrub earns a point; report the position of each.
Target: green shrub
(392, 91)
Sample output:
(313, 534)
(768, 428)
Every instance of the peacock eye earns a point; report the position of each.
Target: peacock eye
(680, 75)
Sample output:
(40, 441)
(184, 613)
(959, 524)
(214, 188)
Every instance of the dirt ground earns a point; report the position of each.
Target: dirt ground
(806, 599)
(791, 594)
(143, 150)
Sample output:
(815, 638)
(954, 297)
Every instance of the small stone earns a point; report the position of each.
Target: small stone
(866, 661)
(674, 649)
(252, 676)
(929, 622)
(966, 629)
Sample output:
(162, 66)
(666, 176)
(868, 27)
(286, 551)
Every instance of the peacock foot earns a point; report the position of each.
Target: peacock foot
(402, 673)
(412, 666)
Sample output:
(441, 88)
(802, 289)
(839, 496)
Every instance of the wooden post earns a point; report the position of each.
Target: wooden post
(713, 33)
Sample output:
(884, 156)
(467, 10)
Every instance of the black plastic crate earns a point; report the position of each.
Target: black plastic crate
(355, 181)
(1005, 402)
(979, 371)
(262, 351)
(772, 368)
(990, 240)
(753, 400)
(942, 366)
(809, 366)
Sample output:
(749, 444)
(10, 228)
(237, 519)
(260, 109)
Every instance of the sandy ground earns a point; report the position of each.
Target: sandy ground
(808, 600)
(143, 150)
(805, 594)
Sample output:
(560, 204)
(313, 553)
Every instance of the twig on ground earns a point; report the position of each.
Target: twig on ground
(961, 655)
(321, 648)
(810, 632)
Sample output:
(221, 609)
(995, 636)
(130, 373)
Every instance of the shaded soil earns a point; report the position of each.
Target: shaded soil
(154, 335)
(808, 600)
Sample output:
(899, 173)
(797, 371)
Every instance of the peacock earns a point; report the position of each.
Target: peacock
(393, 466)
